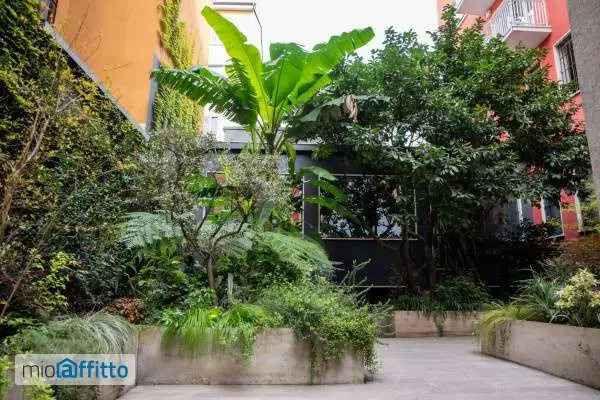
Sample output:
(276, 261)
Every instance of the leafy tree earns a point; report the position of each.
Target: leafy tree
(464, 125)
(260, 95)
(211, 215)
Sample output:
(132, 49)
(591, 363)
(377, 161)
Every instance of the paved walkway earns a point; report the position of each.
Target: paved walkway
(415, 369)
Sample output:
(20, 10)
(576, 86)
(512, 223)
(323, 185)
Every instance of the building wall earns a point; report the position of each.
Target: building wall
(118, 42)
(585, 16)
(558, 16)
(244, 16)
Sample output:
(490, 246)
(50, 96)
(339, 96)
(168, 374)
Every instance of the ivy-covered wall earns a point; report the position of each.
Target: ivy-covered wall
(171, 109)
(62, 195)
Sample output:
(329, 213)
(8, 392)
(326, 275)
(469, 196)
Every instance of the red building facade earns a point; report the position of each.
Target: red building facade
(534, 23)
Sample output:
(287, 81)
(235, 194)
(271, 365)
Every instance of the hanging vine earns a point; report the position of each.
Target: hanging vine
(171, 108)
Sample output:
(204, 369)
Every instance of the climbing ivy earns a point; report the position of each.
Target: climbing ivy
(171, 109)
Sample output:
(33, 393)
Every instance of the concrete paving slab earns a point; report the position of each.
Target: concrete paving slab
(413, 369)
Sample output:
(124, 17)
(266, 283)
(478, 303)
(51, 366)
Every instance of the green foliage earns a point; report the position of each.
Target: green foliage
(275, 257)
(579, 300)
(38, 391)
(243, 204)
(171, 109)
(70, 196)
(464, 125)
(331, 317)
(96, 333)
(459, 294)
(590, 212)
(202, 330)
(538, 296)
(51, 286)
(260, 95)
(5, 365)
(164, 279)
(546, 298)
(498, 315)
(302, 253)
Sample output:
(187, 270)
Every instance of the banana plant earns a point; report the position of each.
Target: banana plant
(261, 95)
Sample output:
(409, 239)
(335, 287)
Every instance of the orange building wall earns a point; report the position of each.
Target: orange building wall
(118, 40)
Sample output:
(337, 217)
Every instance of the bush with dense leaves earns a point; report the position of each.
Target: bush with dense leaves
(331, 317)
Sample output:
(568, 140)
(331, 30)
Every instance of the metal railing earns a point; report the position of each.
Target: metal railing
(518, 13)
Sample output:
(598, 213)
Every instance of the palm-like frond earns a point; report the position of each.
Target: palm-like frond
(231, 99)
(304, 254)
(143, 229)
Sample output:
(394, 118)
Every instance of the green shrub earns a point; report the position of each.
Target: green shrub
(497, 315)
(5, 365)
(460, 294)
(331, 317)
(455, 295)
(96, 333)
(201, 330)
(38, 391)
(275, 257)
(579, 300)
(410, 302)
(538, 296)
(162, 281)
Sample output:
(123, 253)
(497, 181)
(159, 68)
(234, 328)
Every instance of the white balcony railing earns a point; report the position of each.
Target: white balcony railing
(520, 22)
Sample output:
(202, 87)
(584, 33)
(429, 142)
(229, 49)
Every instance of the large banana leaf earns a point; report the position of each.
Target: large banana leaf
(244, 53)
(264, 93)
(323, 59)
(227, 97)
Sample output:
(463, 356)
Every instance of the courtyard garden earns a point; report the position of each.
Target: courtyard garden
(170, 246)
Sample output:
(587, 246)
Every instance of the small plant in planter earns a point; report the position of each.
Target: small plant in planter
(201, 330)
(579, 300)
(460, 295)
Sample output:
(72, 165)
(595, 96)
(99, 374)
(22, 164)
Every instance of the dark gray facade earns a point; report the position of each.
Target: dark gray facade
(585, 30)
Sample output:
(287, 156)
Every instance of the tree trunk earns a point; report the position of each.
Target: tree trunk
(409, 265)
(429, 243)
(211, 279)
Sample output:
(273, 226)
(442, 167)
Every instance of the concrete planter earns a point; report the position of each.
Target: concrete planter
(415, 324)
(279, 358)
(569, 352)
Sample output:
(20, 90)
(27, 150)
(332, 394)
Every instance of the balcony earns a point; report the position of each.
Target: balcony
(473, 7)
(520, 22)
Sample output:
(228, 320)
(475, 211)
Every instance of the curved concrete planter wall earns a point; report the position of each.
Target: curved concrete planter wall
(279, 358)
(566, 351)
(415, 324)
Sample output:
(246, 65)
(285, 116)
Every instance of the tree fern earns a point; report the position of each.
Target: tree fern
(143, 229)
(304, 254)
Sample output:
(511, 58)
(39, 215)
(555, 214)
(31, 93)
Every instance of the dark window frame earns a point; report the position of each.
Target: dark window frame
(567, 65)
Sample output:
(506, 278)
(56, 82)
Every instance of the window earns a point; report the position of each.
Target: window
(566, 62)
(551, 215)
